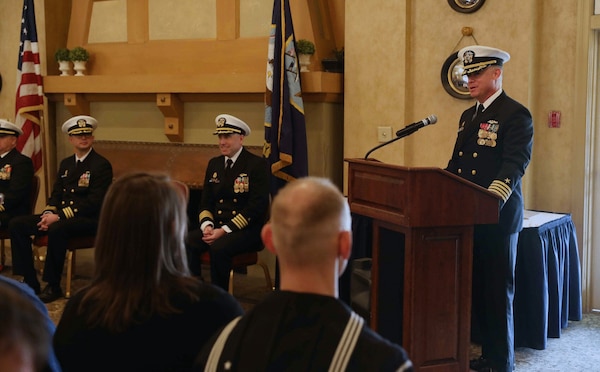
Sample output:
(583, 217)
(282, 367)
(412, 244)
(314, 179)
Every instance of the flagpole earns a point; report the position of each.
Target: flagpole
(45, 157)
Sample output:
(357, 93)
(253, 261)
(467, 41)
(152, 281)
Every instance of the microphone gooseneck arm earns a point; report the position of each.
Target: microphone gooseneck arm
(381, 145)
(410, 129)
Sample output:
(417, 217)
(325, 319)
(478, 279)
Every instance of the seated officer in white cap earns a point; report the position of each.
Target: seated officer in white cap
(72, 209)
(493, 148)
(16, 173)
(234, 204)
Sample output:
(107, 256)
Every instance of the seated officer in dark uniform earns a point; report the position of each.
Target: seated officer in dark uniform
(16, 173)
(72, 209)
(304, 326)
(234, 204)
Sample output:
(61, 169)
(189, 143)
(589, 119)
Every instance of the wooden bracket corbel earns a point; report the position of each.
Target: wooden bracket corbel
(77, 104)
(172, 108)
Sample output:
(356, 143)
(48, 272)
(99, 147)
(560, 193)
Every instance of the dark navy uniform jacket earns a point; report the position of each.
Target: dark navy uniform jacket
(294, 331)
(493, 151)
(80, 189)
(240, 199)
(16, 173)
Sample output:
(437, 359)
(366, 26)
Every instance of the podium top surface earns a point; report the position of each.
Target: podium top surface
(417, 196)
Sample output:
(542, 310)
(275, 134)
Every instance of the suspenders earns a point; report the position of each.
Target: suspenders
(340, 359)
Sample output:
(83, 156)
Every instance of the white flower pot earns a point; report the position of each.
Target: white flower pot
(79, 66)
(64, 67)
(304, 60)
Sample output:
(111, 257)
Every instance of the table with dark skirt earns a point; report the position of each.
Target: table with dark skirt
(547, 279)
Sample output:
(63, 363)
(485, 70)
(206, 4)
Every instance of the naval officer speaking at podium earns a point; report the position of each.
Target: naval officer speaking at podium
(493, 148)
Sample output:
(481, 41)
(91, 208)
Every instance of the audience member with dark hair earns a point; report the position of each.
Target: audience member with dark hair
(304, 326)
(25, 330)
(142, 311)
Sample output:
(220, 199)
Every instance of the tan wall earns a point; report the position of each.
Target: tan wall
(394, 55)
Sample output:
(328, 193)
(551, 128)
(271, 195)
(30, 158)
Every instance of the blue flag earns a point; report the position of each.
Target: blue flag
(285, 129)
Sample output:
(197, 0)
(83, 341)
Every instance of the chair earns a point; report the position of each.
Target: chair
(75, 243)
(4, 233)
(242, 261)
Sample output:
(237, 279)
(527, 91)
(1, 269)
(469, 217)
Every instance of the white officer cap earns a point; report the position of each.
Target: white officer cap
(228, 124)
(477, 57)
(8, 128)
(81, 124)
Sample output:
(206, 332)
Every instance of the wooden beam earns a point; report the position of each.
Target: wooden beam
(172, 108)
(77, 104)
(322, 29)
(79, 27)
(228, 19)
(138, 29)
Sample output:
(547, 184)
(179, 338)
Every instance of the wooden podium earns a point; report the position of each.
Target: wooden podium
(423, 222)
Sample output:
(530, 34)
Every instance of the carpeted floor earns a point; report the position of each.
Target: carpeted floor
(576, 350)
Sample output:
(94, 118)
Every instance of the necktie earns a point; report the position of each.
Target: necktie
(78, 163)
(228, 167)
(478, 111)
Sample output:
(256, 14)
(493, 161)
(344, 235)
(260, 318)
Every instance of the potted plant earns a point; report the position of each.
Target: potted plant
(335, 64)
(305, 49)
(79, 56)
(62, 54)
(304, 46)
(63, 58)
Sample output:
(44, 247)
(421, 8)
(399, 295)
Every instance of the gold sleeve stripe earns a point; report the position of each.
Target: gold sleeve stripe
(240, 221)
(205, 214)
(68, 212)
(501, 189)
(2, 208)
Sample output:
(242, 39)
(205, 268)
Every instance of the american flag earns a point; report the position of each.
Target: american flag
(30, 99)
(285, 128)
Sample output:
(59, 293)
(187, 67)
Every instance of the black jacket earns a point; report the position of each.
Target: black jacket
(240, 199)
(16, 175)
(80, 190)
(493, 151)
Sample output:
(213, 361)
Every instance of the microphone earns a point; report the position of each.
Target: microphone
(409, 129)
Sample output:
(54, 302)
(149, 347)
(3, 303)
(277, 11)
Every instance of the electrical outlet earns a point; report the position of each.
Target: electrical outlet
(384, 134)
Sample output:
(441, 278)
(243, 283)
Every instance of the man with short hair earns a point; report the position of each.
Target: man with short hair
(304, 326)
(16, 175)
(72, 209)
(234, 205)
(493, 148)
